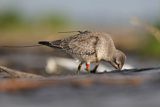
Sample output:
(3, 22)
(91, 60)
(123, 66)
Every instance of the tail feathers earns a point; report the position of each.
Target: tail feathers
(45, 43)
(55, 44)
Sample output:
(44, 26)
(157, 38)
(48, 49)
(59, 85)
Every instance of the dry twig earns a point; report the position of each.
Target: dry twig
(18, 74)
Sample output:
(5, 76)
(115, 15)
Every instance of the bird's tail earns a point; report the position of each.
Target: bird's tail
(55, 44)
(45, 43)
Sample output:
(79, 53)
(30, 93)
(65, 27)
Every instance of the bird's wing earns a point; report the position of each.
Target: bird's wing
(82, 45)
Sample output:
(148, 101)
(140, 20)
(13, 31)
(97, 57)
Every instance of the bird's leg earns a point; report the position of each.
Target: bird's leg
(95, 68)
(79, 68)
(88, 67)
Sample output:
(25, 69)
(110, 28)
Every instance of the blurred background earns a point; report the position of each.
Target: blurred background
(133, 24)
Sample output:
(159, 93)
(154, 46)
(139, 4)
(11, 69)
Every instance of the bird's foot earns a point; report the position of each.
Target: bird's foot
(88, 71)
(93, 71)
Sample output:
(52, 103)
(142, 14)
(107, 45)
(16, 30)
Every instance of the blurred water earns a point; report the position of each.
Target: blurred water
(39, 62)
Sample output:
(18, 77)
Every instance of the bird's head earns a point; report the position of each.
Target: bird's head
(118, 59)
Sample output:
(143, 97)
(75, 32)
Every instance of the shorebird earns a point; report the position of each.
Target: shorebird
(90, 47)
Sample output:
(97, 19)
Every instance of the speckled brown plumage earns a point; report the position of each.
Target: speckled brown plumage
(89, 47)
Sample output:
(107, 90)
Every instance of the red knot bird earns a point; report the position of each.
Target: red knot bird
(90, 47)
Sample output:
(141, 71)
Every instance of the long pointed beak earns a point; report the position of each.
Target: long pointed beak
(120, 66)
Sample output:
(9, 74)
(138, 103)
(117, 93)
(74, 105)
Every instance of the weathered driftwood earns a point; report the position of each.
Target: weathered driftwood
(115, 78)
(75, 81)
(18, 74)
